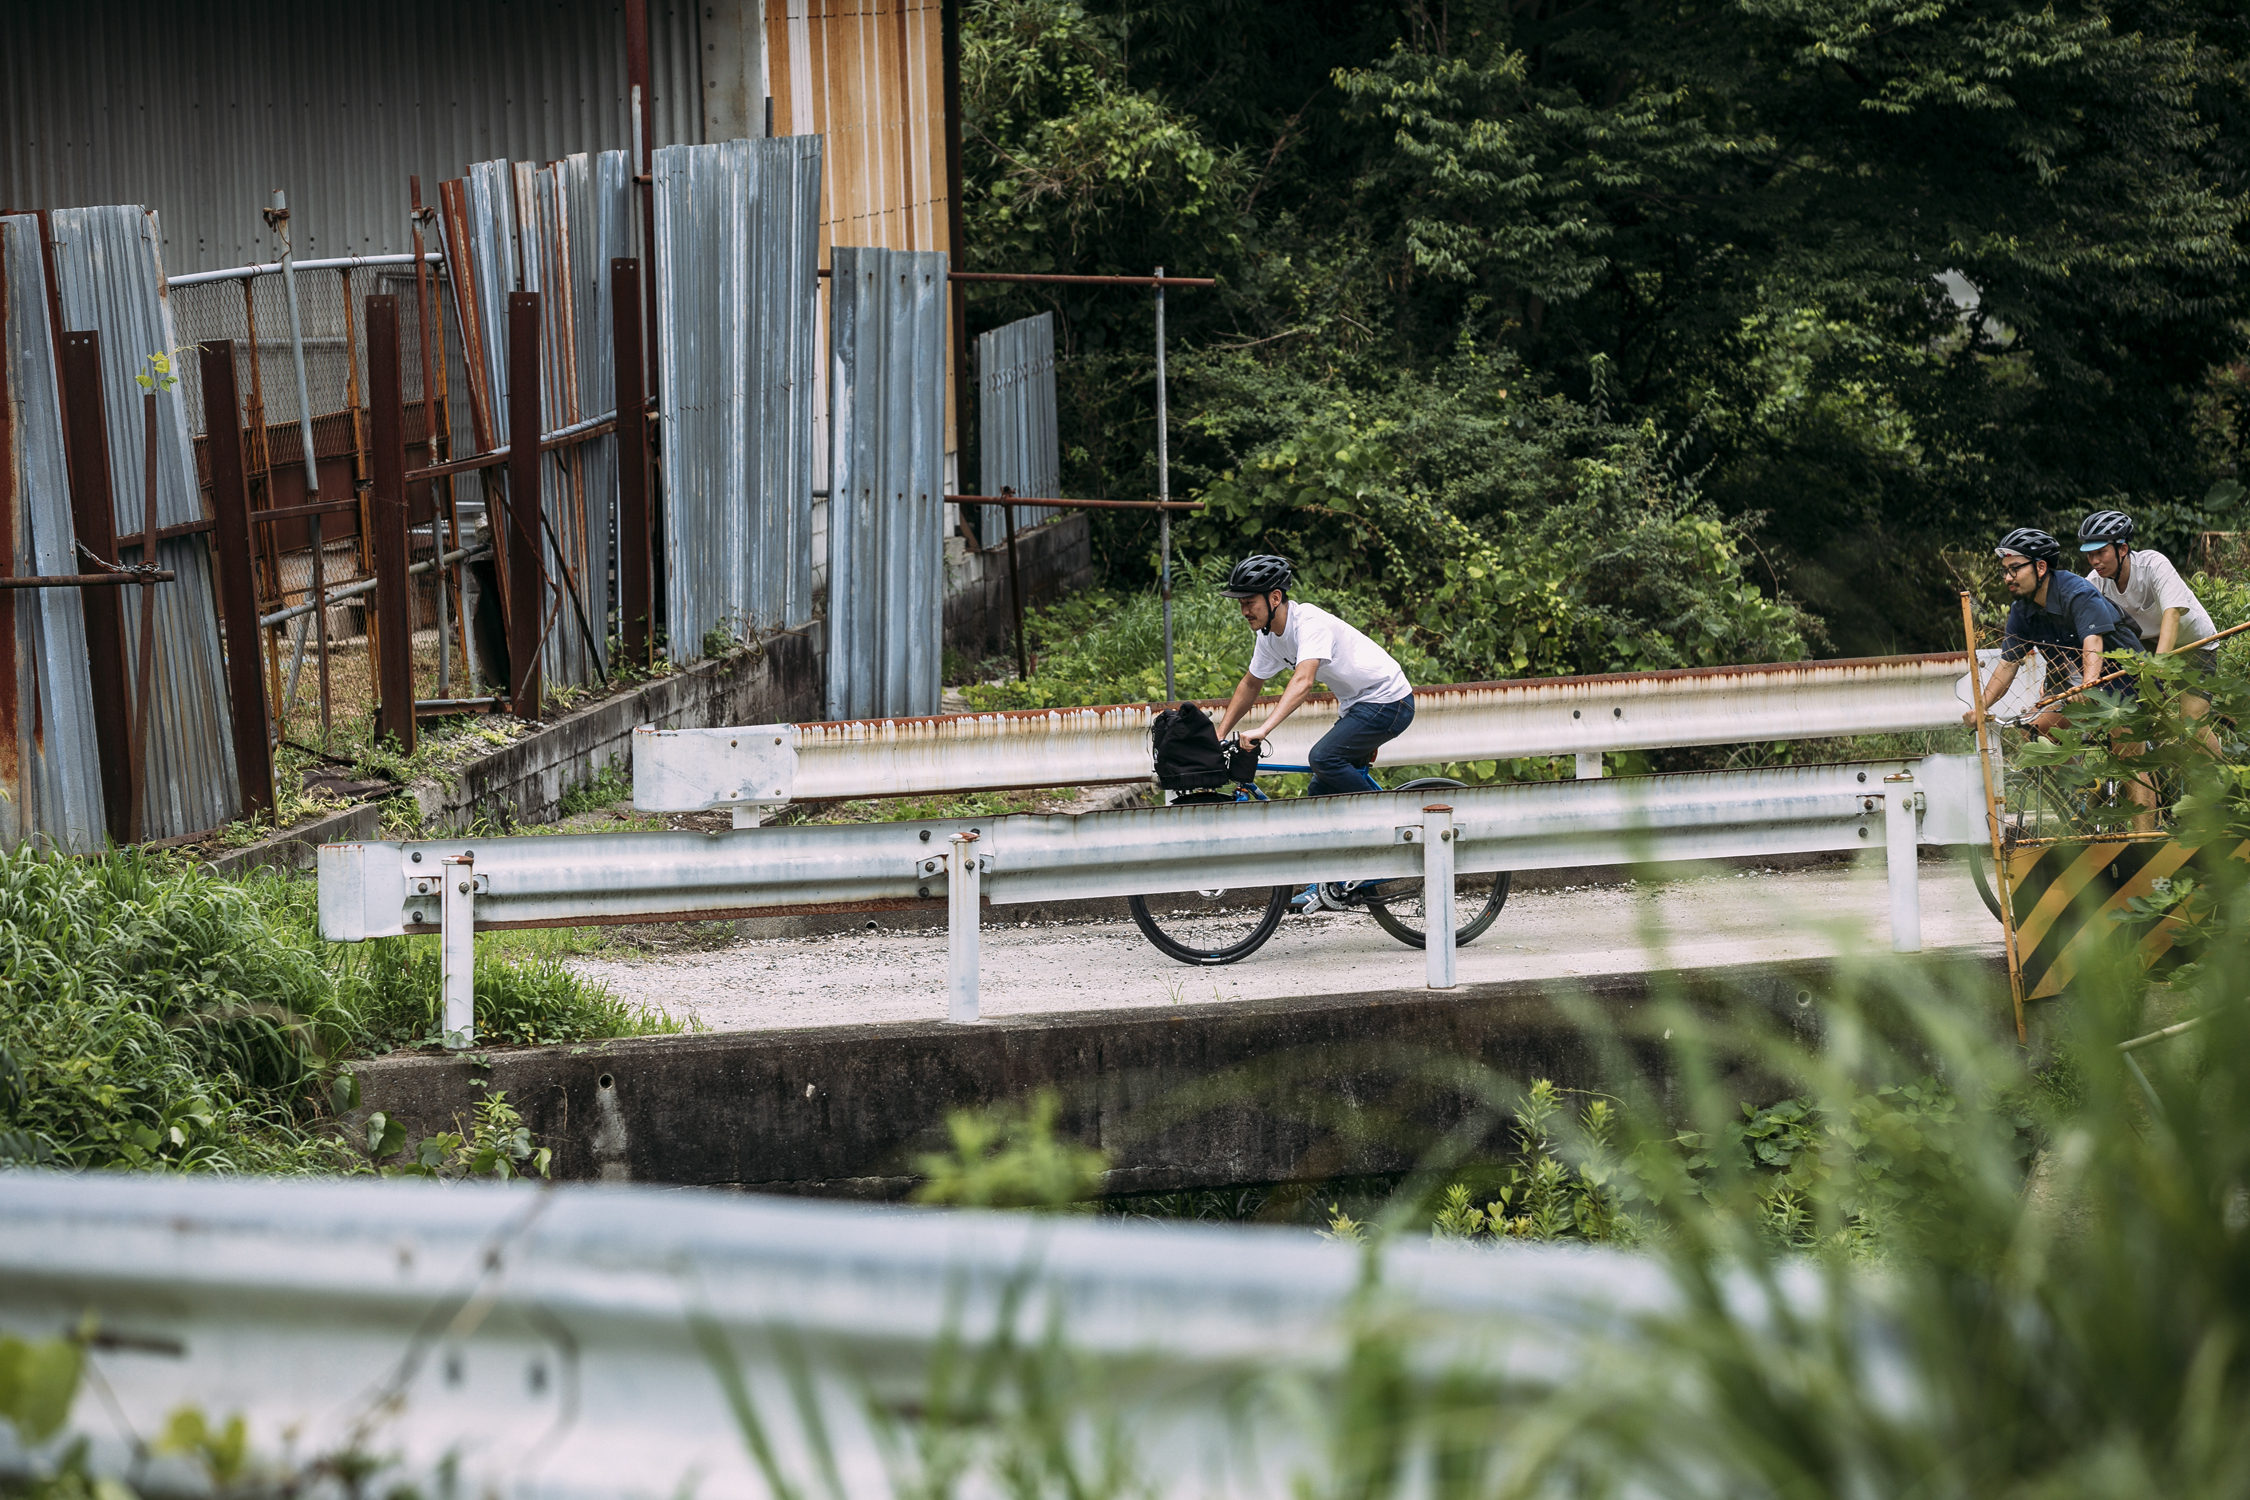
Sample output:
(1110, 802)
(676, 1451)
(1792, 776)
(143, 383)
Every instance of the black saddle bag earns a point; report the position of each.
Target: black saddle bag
(1188, 757)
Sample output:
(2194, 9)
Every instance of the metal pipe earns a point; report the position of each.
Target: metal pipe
(336, 263)
(961, 935)
(278, 217)
(1437, 896)
(89, 580)
(1163, 491)
(1167, 505)
(1901, 861)
(1026, 278)
(367, 586)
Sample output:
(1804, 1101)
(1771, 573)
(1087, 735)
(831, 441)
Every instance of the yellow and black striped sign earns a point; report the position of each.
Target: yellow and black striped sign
(2066, 898)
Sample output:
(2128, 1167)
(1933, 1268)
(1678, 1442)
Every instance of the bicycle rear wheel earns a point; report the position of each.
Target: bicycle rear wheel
(1210, 927)
(1397, 906)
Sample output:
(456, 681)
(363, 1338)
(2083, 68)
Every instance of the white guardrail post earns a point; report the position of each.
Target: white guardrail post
(961, 916)
(457, 947)
(1437, 894)
(1901, 800)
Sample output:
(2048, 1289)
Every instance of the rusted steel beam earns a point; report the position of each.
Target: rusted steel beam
(386, 511)
(94, 521)
(526, 584)
(1074, 504)
(636, 575)
(237, 579)
(1028, 278)
(87, 580)
(144, 668)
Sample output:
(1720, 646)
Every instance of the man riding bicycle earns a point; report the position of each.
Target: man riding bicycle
(1377, 701)
(2154, 597)
(2060, 615)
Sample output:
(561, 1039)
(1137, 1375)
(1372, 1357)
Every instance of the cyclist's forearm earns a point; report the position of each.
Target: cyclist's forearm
(1245, 694)
(1301, 683)
(2092, 665)
(1998, 683)
(2168, 633)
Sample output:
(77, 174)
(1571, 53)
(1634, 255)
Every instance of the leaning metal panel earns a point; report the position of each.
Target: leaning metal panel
(111, 280)
(886, 470)
(1018, 445)
(737, 302)
(50, 761)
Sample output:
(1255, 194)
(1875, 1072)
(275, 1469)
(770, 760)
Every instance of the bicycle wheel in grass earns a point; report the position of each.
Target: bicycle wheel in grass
(1210, 927)
(1397, 906)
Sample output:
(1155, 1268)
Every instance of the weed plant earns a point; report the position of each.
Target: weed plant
(156, 1017)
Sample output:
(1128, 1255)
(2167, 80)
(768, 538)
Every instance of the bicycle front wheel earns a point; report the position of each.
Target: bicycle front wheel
(1397, 906)
(1210, 927)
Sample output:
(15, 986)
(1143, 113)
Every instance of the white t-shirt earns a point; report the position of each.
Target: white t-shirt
(1354, 667)
(2152, 586)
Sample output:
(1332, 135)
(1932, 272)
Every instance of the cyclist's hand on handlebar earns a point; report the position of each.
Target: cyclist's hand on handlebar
(1251, 737)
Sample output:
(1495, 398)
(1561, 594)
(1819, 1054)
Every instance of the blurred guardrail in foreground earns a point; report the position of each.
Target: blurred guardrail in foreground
(389, 1337)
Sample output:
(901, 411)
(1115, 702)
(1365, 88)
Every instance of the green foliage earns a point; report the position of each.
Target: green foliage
(597, 792)
(1008, 1158)
(156, 1017)
(38, 1382)
(498, 1146)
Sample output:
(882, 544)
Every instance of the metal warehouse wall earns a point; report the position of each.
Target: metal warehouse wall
(201, 108)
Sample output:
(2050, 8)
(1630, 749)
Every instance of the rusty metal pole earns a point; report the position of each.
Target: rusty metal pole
(635, 555)
(1163, 492)
(433, 444)
(1992, 814)
(386, 508)
(94, 520)
(527, 574)
(1015, 581)
(237, 580)
(144, 675)
(278, 217)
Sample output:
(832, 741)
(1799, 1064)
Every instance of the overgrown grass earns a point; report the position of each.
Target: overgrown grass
(156, 1016)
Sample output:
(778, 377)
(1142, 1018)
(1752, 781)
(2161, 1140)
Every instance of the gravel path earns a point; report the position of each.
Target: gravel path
(899, 975)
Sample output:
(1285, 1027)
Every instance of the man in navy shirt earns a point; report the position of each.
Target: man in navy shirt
(2059, 614)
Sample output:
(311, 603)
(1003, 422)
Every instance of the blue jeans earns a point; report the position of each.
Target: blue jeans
(1339, 761)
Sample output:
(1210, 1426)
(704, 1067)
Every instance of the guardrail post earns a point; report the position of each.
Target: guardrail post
(1899, 799)
(1437, 893)
(961, 916)
(1589, 765)
(457, 948)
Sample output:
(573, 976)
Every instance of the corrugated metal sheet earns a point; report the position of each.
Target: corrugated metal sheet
(50, 762)
(737, 296)
(867, 76)
(111, 279)
(200, 109)
(1017, 445)
(887, 364)
(552, 230)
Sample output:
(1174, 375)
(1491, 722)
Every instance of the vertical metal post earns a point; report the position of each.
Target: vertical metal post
(1163, 491)
(386, 513)
(961, 917)
(434, 446)
(1899, 852)
(144, 677)
(278, 217)
(1992, 814)
(94, 519)
(457, 950)
(1015, 585)
(636, 576)
(238, 584)
(1589, 765)
(1437, 894)
(527, 574)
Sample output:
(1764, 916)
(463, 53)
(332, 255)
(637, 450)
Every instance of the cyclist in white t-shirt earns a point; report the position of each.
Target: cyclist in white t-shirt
(2153, 596)
(1314, 646)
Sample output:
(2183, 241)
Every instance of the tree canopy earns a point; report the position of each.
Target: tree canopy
(1854, 282)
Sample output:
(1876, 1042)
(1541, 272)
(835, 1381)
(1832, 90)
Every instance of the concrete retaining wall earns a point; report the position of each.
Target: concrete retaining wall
(1205, 1096)
(1055, 559)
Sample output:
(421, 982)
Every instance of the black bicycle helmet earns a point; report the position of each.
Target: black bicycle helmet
(2031, 542)
(2103, 527)
(1254, 577)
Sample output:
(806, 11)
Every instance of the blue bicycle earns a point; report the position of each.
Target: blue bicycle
(1220, 926)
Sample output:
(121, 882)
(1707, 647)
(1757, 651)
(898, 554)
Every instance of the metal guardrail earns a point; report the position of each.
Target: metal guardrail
(371, 890)
(556, 1344)
(686, 770)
